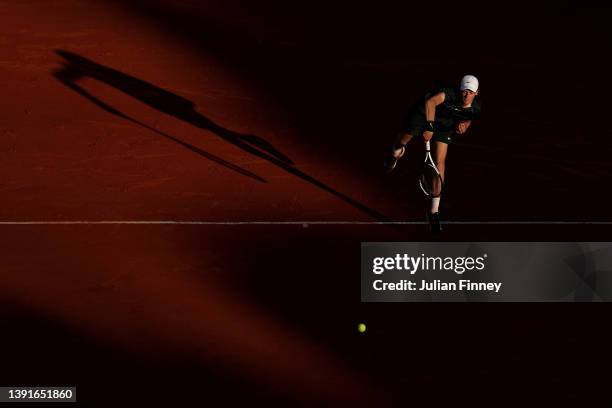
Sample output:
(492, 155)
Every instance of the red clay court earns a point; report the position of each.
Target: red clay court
(186, 185)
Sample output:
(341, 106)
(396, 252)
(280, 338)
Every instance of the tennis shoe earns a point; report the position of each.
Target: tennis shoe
(434, 223)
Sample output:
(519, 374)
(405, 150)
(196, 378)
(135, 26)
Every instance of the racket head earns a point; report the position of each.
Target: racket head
(430, 181)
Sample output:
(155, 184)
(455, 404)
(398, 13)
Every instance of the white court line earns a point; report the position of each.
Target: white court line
(177, 222)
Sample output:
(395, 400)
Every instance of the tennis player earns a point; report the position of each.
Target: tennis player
(446, 112)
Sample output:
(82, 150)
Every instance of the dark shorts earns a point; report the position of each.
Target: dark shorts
(415, 124)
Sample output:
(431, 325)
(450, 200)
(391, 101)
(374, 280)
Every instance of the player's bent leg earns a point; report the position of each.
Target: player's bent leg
(399, 148)
(440, 152)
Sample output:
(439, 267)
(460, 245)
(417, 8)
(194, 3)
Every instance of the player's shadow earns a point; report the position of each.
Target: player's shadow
(76, 67)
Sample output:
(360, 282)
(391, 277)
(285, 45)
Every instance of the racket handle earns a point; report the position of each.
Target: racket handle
(427, 146)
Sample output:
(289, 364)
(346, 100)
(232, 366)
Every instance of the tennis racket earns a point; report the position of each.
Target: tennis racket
(430, 180)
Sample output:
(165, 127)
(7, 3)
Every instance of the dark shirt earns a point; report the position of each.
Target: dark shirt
(450, 112)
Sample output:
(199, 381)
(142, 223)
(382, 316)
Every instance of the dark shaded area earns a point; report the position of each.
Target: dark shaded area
(476, 353)
(42, 352)
(77, 67)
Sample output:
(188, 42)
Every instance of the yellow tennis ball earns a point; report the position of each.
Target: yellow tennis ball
(361, 327)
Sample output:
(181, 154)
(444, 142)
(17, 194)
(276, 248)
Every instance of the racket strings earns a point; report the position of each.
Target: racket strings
(431, 181)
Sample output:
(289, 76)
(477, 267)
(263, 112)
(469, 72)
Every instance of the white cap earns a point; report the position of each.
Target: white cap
(469, 82)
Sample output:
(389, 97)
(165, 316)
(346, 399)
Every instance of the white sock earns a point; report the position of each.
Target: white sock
(435, 204)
